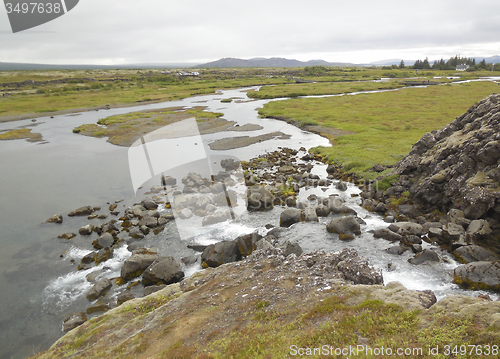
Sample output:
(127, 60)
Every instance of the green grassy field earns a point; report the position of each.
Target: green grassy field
(62, 90)
(320, 88)
(386, 125)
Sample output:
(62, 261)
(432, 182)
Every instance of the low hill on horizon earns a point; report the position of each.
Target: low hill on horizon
(270, 62)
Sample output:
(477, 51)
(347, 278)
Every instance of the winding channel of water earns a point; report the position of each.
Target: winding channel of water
(39, 282)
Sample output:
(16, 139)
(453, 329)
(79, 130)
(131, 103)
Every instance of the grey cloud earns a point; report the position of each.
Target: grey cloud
(159, 31)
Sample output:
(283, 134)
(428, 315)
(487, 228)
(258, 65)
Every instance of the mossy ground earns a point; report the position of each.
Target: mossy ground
(124, 130)
(385, 125)
(229, 313)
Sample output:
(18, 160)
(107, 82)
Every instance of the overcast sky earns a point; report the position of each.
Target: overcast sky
(197, 31)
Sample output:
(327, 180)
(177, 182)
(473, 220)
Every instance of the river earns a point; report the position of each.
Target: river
(39, 282)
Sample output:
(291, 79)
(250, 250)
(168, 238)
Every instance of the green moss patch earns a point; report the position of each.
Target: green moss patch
(20, 134)
(124, 130)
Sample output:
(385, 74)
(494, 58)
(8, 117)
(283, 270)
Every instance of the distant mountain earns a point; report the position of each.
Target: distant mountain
(15, 66)
(269, 62)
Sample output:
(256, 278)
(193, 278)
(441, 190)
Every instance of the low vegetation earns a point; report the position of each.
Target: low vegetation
(210, 317)
(24, 133)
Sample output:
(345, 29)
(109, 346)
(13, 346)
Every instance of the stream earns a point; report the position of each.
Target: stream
(39, 281)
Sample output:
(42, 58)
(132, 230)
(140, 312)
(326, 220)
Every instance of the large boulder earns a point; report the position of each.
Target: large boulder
(477, 230)
(137, 263)
(106, 240)
(407, 228)
(474, 253)
(344, 225)
(425, 256)
(387, 234)
(478, 275)
(289, 216)
(222, 252)
(164, 270)
(149, 204)
(259, 199)
(247, 243)
(308, 214)
(99, 289)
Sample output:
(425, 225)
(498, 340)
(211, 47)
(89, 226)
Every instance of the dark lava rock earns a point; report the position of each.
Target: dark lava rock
(427, 298)
(358, 270)
(82, 211)
(289, 216)
(289, 248)
(56, 218)
(67, 235)
(457, 167)
(477, 230)
(259, 199)
(106, 240)
(99, 289)
(164, 270)
(137, 263)
(74, 320)
(474, 253)
(247, 243)
(345, 225)
(425, 256)
(103, 255)
(222, 252)
(308, 214)
(86, 230)
(478, 275)
(217, 217)
(387, 234)
(149, 204)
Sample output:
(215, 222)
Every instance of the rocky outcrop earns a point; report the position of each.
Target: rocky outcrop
(459, 164)
(456, 170)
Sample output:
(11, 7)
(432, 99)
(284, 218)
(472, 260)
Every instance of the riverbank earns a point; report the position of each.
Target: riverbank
(322, 282)
(85, 162)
